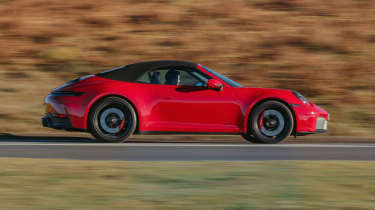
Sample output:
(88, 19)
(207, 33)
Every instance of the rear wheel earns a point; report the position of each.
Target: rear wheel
(112, 120)
(270, 122)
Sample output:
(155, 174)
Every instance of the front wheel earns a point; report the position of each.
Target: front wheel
(269, 123)
(112, 120)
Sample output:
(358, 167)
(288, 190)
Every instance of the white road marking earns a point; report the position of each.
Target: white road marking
(351, 145)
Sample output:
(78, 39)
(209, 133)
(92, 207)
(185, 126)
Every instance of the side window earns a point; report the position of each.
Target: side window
(144, 79)
(191, 77)
(187, 78)
(156, 76)
(175, 75)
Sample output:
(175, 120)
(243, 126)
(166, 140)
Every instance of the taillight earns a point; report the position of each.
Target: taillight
(66, 93)
(61, 115)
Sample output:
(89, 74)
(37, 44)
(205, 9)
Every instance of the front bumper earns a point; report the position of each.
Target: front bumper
(310, 120)
(56, 122)
(303, 133)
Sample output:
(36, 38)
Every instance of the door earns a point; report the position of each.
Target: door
(185, 104)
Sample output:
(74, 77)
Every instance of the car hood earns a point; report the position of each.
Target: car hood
(255, 94)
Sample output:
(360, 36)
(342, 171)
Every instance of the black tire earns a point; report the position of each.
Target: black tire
(249, 137)
(276, 126)
(104, 118)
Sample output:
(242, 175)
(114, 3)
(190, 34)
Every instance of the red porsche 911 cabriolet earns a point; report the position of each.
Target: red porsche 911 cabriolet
(178, 97)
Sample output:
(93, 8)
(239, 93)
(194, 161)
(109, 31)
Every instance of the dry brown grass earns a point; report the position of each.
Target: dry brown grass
(324, 49)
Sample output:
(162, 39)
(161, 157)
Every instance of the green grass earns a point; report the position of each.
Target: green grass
(67, 184)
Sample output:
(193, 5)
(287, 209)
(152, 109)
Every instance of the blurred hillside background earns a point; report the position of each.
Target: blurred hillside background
(324, 49)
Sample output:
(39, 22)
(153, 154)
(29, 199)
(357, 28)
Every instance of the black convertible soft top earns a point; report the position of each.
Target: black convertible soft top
(132, 72)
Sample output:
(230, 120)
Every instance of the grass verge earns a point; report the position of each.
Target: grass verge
(67, 184)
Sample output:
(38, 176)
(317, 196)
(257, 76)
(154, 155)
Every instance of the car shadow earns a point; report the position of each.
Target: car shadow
(7, 137)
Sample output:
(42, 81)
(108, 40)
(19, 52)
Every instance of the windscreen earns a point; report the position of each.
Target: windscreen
(222, 77)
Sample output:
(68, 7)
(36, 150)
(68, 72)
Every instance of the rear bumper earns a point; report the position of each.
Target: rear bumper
(72, 107)
(56, 122)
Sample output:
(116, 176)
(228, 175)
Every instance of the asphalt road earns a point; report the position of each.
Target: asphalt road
(83, 149)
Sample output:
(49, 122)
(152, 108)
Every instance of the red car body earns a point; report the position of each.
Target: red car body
(178, 109)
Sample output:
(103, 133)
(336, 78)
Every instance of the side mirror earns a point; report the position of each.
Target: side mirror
(214, 84)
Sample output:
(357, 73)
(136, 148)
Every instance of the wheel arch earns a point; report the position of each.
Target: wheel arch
(97, 100)
(260, 101)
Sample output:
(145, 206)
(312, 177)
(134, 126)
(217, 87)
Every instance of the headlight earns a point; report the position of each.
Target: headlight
(301, 97)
